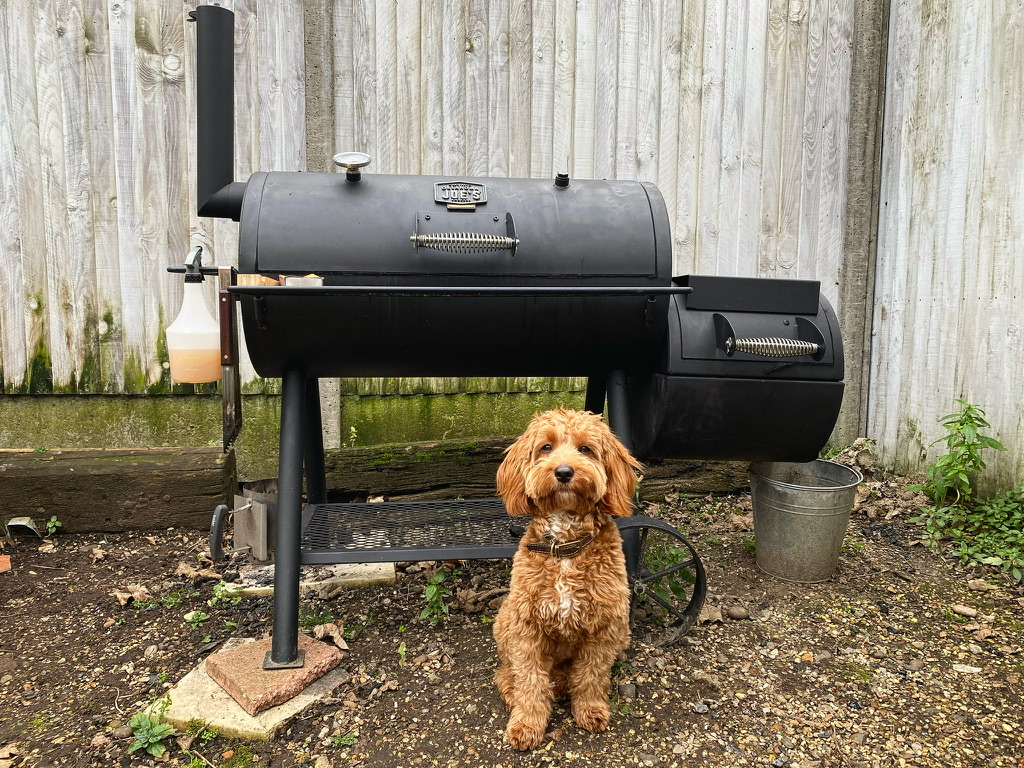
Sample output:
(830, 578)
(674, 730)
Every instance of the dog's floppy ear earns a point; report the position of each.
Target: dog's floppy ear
(512, 474)
(621, 468)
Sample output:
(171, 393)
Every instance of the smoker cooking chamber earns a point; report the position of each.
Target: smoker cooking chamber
(536, 280)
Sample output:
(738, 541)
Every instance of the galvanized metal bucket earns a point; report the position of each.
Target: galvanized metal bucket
(800, 516)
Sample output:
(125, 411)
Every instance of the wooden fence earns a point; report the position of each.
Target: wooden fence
(737, 110)
(949, 306)
(744, 112)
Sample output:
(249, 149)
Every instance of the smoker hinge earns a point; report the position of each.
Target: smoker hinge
(649, 307)
(261, 312)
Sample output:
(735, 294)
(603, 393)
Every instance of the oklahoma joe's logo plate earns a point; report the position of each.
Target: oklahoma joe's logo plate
(460, 193)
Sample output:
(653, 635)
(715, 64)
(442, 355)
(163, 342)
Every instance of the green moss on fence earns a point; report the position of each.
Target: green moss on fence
(127, 421)
(417, 418)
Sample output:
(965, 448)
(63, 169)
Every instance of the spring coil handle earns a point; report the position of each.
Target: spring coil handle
(464, 242)
(772, 347)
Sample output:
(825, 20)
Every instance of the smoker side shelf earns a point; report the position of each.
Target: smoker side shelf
(392, 532)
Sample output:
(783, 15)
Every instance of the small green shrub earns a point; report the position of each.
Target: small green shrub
(149, 733)
(195, 619)
(954, 472)
(992, 533)
(435, 597)
(980, 533)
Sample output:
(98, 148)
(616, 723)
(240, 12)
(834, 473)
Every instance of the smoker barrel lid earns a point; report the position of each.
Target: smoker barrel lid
(433, 228)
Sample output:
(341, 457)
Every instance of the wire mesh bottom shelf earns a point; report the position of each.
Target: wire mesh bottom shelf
(404, 531)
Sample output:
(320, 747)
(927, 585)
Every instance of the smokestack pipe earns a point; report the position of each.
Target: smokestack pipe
(219, 196)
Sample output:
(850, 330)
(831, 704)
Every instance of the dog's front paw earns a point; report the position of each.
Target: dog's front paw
(593, 717)
(523, 735)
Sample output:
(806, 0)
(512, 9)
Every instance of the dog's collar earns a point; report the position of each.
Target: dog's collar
(558, 549)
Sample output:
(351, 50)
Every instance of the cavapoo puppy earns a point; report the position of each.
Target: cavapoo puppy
(566, 617)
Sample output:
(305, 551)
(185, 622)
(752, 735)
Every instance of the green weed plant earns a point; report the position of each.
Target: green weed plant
(435, 597)
(980, 532)
(149, 733)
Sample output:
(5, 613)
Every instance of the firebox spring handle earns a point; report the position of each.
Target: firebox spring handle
(766, 346)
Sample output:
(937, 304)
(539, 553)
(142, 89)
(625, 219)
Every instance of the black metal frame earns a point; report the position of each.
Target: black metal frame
(302, 454)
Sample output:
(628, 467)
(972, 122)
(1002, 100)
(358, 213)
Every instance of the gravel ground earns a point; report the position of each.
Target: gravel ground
(902, 659)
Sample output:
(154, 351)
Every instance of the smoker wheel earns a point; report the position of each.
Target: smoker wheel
(667, 577)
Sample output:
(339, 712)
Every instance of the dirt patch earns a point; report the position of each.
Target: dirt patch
(903, 659)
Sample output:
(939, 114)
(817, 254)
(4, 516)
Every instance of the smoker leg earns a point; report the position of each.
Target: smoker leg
(313, 448)
(618, 408)
(595, 394)
(618, 420)
(284, 651)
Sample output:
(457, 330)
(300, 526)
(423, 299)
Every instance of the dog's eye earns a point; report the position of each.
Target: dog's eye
(546, 448)
(584, 449)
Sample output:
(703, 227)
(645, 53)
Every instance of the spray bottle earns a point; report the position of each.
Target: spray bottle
(193, 339)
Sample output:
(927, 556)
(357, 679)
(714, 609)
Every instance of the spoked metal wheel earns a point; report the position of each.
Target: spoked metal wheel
(666, 575)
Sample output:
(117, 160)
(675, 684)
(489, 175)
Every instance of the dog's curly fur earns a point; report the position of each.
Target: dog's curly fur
(565, 620)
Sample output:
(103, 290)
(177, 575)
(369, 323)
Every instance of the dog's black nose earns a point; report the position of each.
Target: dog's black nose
(564, 473)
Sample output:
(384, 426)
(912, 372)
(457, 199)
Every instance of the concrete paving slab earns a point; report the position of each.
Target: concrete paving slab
(199, 697)
(326, 581)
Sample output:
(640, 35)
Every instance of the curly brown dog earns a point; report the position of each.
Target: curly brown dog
(566, 617)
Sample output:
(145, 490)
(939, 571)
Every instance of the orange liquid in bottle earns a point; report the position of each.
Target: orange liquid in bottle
(189, 366)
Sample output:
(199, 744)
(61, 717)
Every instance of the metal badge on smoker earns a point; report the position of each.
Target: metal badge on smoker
(460, 195)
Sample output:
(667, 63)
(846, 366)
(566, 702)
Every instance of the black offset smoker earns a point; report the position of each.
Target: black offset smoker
(443, 276)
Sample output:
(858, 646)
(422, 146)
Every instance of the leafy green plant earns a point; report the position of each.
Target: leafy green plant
(226, 594)
(990, 534)
(53, 525)
(353, 438)
(435, 597)
(830, 451)
(195, 619)
(344, 740)
(309, 618)
(954, 472)
(980, 533)
(172, 600)
(675, 584)
(149, 733)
